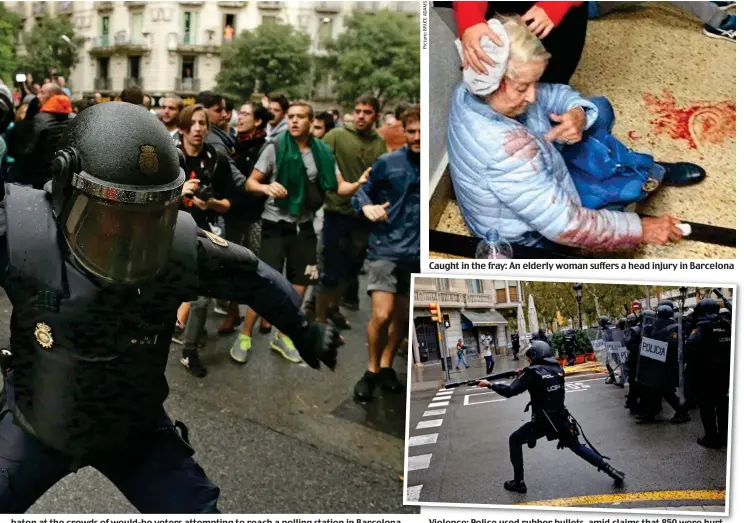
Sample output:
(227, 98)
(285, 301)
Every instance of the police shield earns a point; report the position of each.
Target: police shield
(616, 348)
(651, 361)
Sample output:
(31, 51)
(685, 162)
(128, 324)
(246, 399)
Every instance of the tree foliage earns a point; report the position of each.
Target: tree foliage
(377, 54)
(9, 22)
(47, 50)
(272, 57)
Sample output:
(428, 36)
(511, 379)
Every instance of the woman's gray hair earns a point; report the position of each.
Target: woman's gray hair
(524, 47)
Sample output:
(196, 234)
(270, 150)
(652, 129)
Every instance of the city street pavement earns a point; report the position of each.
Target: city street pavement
(458, 453)
(276, 437)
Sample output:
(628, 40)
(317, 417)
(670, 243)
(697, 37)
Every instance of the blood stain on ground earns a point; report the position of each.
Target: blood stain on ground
(702, 123)
(632, 135)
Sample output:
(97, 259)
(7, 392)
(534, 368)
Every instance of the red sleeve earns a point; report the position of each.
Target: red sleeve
(467, 14)
(557, 10)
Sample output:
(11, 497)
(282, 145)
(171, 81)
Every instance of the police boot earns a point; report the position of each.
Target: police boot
(615, 474)
(516, 486)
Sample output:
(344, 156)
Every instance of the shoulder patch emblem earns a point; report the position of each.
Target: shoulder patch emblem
(43, 335)
(221, 242)
(148, 160)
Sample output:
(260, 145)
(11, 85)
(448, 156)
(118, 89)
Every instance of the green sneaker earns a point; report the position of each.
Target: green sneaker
(284, 346)
(240, 348)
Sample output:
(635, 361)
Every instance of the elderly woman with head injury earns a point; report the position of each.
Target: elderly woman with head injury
(538, 164)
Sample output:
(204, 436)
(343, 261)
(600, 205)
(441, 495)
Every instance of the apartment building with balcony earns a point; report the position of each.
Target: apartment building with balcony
(175, 46)
(478, 310)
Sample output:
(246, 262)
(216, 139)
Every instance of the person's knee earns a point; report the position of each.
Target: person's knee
(605, 112)
(381, 315)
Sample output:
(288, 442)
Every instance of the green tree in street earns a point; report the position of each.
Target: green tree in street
(8, 39)
(272, 57)
(47, 50)
(377, 54)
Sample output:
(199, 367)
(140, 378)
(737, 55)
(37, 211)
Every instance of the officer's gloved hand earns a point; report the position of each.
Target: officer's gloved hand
(320, 344)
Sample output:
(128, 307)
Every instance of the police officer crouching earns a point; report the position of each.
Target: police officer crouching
(96, 267)
(709, 353)
(544, 380)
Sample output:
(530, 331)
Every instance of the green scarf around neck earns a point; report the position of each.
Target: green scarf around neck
(291, 173)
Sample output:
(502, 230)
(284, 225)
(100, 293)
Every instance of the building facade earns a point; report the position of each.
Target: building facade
(478, 311)
(175, 46)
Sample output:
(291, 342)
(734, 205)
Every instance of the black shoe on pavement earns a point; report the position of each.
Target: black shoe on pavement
(645, 418)
(365, 387)
(615, 474)
(193, 364)
(177, 336)
(610, 380)
(680, 417)
(515, 486)
(388, 380)
(681, 174)
(711, 443)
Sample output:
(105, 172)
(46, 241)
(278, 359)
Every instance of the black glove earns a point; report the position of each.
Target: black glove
(320, 343)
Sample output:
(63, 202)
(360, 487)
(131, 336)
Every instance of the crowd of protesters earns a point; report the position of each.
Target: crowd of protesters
(321, 197)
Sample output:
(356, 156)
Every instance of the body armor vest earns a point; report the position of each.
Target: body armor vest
(89, 358)
(548, 391)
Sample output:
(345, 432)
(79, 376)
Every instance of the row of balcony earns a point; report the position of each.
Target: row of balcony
(66, 7)
(455, 299)
(180, 84)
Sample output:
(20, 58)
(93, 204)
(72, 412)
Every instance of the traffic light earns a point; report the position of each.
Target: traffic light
(445, 319)
(435, 312)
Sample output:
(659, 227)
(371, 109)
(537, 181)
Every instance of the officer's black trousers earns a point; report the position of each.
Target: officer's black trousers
(714, 415)
(159, 476)
(523, 435)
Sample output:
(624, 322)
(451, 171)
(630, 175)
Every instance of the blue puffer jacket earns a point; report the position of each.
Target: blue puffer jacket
(509, 178)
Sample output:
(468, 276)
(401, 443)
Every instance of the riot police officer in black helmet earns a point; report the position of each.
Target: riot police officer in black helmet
(96, 267)
(709, 353)
(544, 380)
(540, 336)
(605, 330)
(633, 345)
(515, 346)
(570, 341)
(663, 382)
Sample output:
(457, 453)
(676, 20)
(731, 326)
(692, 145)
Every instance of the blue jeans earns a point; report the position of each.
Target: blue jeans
(462, 358)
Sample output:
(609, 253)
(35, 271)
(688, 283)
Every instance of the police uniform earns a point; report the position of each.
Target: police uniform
(709, 349)
(515, 345)
(570, 341)
(544, 380)
(665, 329)
(606, 333)
(633, 345)
(96, 267)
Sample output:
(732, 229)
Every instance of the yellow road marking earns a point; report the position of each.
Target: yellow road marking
(606, 499)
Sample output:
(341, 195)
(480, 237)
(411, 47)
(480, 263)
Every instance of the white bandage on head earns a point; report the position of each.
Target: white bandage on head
(484, 84)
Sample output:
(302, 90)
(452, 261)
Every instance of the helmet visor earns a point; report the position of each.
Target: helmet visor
(120, 242)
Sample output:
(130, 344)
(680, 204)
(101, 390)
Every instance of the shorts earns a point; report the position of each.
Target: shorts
(291, 245)
(245, 233)
(344, 248)
(390, 276)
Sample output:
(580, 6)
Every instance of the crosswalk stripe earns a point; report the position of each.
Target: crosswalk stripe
(438, 404)
(429, 424)
(426, 439)
(436, 412)
(414, 493)
(419, 462)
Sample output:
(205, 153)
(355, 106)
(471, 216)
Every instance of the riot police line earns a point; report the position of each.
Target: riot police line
(684, 360)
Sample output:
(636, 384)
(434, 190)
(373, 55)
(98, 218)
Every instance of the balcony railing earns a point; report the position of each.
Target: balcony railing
(102, 84)
(188, 38)
(424, 298)
(479, 300)
(328, 7)
(270, 5)
(187, 84)
(451, 299)
(63, 7)
(129, 81)
(235, 5)
(104, 6)
(102, 41)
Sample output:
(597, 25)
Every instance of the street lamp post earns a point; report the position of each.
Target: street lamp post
(577, 290)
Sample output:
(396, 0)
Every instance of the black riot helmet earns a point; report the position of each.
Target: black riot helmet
(707, 309)
(668, 303)
(664, 312)
(632, 320)
(604, 321)
(621, 323)
(539, 350)
(116, 191)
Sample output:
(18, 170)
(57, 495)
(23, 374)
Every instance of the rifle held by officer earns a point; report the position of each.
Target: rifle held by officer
(490, 377)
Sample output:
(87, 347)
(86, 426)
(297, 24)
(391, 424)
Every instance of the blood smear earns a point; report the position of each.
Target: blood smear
(701, 123)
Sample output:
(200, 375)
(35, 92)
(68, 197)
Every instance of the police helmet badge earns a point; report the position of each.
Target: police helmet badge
(148, 160)
(43, 335)
(216, 239)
